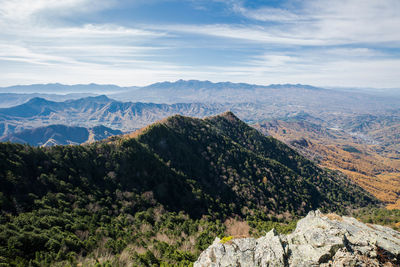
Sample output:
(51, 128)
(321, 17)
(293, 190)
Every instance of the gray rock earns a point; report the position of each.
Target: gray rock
(318, 240)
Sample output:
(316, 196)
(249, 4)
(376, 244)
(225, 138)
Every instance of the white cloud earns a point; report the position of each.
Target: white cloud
(335, 22)
(36, 43)
(313, 23)
(320, 67)
(266, 13)
(321, 42)
(22, 11)
(248, 33)
(86, 31)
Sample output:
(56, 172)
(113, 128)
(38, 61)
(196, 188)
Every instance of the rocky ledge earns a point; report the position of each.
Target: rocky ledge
(319, 240)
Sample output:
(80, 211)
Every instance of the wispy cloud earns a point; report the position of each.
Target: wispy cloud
(335, 22)
(35, 42)
(267, 13)
(320, 42)
(251, 33)
(22, 11)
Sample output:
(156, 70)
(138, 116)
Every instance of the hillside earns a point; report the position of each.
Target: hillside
(367, 151)
(60, 135)
(158, 196)
(236, 151)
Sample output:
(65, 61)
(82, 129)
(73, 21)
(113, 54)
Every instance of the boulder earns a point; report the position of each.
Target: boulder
(318, 240)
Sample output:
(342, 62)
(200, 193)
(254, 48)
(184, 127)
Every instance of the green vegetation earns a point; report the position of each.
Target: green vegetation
(390, 218)
(351, 149)
(158, 199)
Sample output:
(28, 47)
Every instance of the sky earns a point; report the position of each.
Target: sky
(335, 43)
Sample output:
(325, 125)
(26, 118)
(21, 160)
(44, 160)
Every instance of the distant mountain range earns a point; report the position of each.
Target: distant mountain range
(207, 92)
(92, 111)
(60, 135)
(252, 103)
(194, 91)
(12, 99)
(110, 88)
(58, 88)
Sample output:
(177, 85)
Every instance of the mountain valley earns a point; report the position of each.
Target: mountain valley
(368, 155)
(155, 187)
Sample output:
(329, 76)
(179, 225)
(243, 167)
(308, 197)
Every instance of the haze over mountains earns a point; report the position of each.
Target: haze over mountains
(93, 111)
(58, 88)
(60, 135)
(251, 103)
(188, 91)
(12, 99)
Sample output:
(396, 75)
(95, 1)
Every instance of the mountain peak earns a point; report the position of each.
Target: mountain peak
(230, 116)
(96, 99)
(37, 100)
(100, 98)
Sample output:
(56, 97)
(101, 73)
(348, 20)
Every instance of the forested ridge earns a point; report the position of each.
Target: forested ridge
(158, 196)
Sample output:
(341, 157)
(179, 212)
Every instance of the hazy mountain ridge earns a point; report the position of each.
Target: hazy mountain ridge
(194, 91)
(58, 88)
(60, 135)
(100, 88)
(296, 96)
(128, 116)
(13, 99)
(92, 111)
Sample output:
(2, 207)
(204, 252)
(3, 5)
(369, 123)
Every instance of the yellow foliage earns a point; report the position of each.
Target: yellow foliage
(265, 180)
(375, 170)
(226, 239)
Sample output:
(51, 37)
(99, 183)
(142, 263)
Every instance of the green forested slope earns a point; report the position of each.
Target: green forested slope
(156, 199)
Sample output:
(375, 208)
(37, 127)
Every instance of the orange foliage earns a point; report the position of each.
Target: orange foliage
(374, 169)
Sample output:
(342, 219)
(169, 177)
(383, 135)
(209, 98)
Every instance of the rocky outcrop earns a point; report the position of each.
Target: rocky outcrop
(319, 240)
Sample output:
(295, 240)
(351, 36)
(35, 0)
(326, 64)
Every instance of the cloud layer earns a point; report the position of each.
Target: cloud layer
(318, 42)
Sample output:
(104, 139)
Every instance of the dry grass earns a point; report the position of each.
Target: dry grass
(189, 245)
(145, 227)
(164, 238)
(376, 171)
(333, 216)
(125, 258)
(137, 133)
(143, 130)
(237, 228)
(82, 235)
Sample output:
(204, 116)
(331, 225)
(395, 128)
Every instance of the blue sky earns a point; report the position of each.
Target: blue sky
(349, 43)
